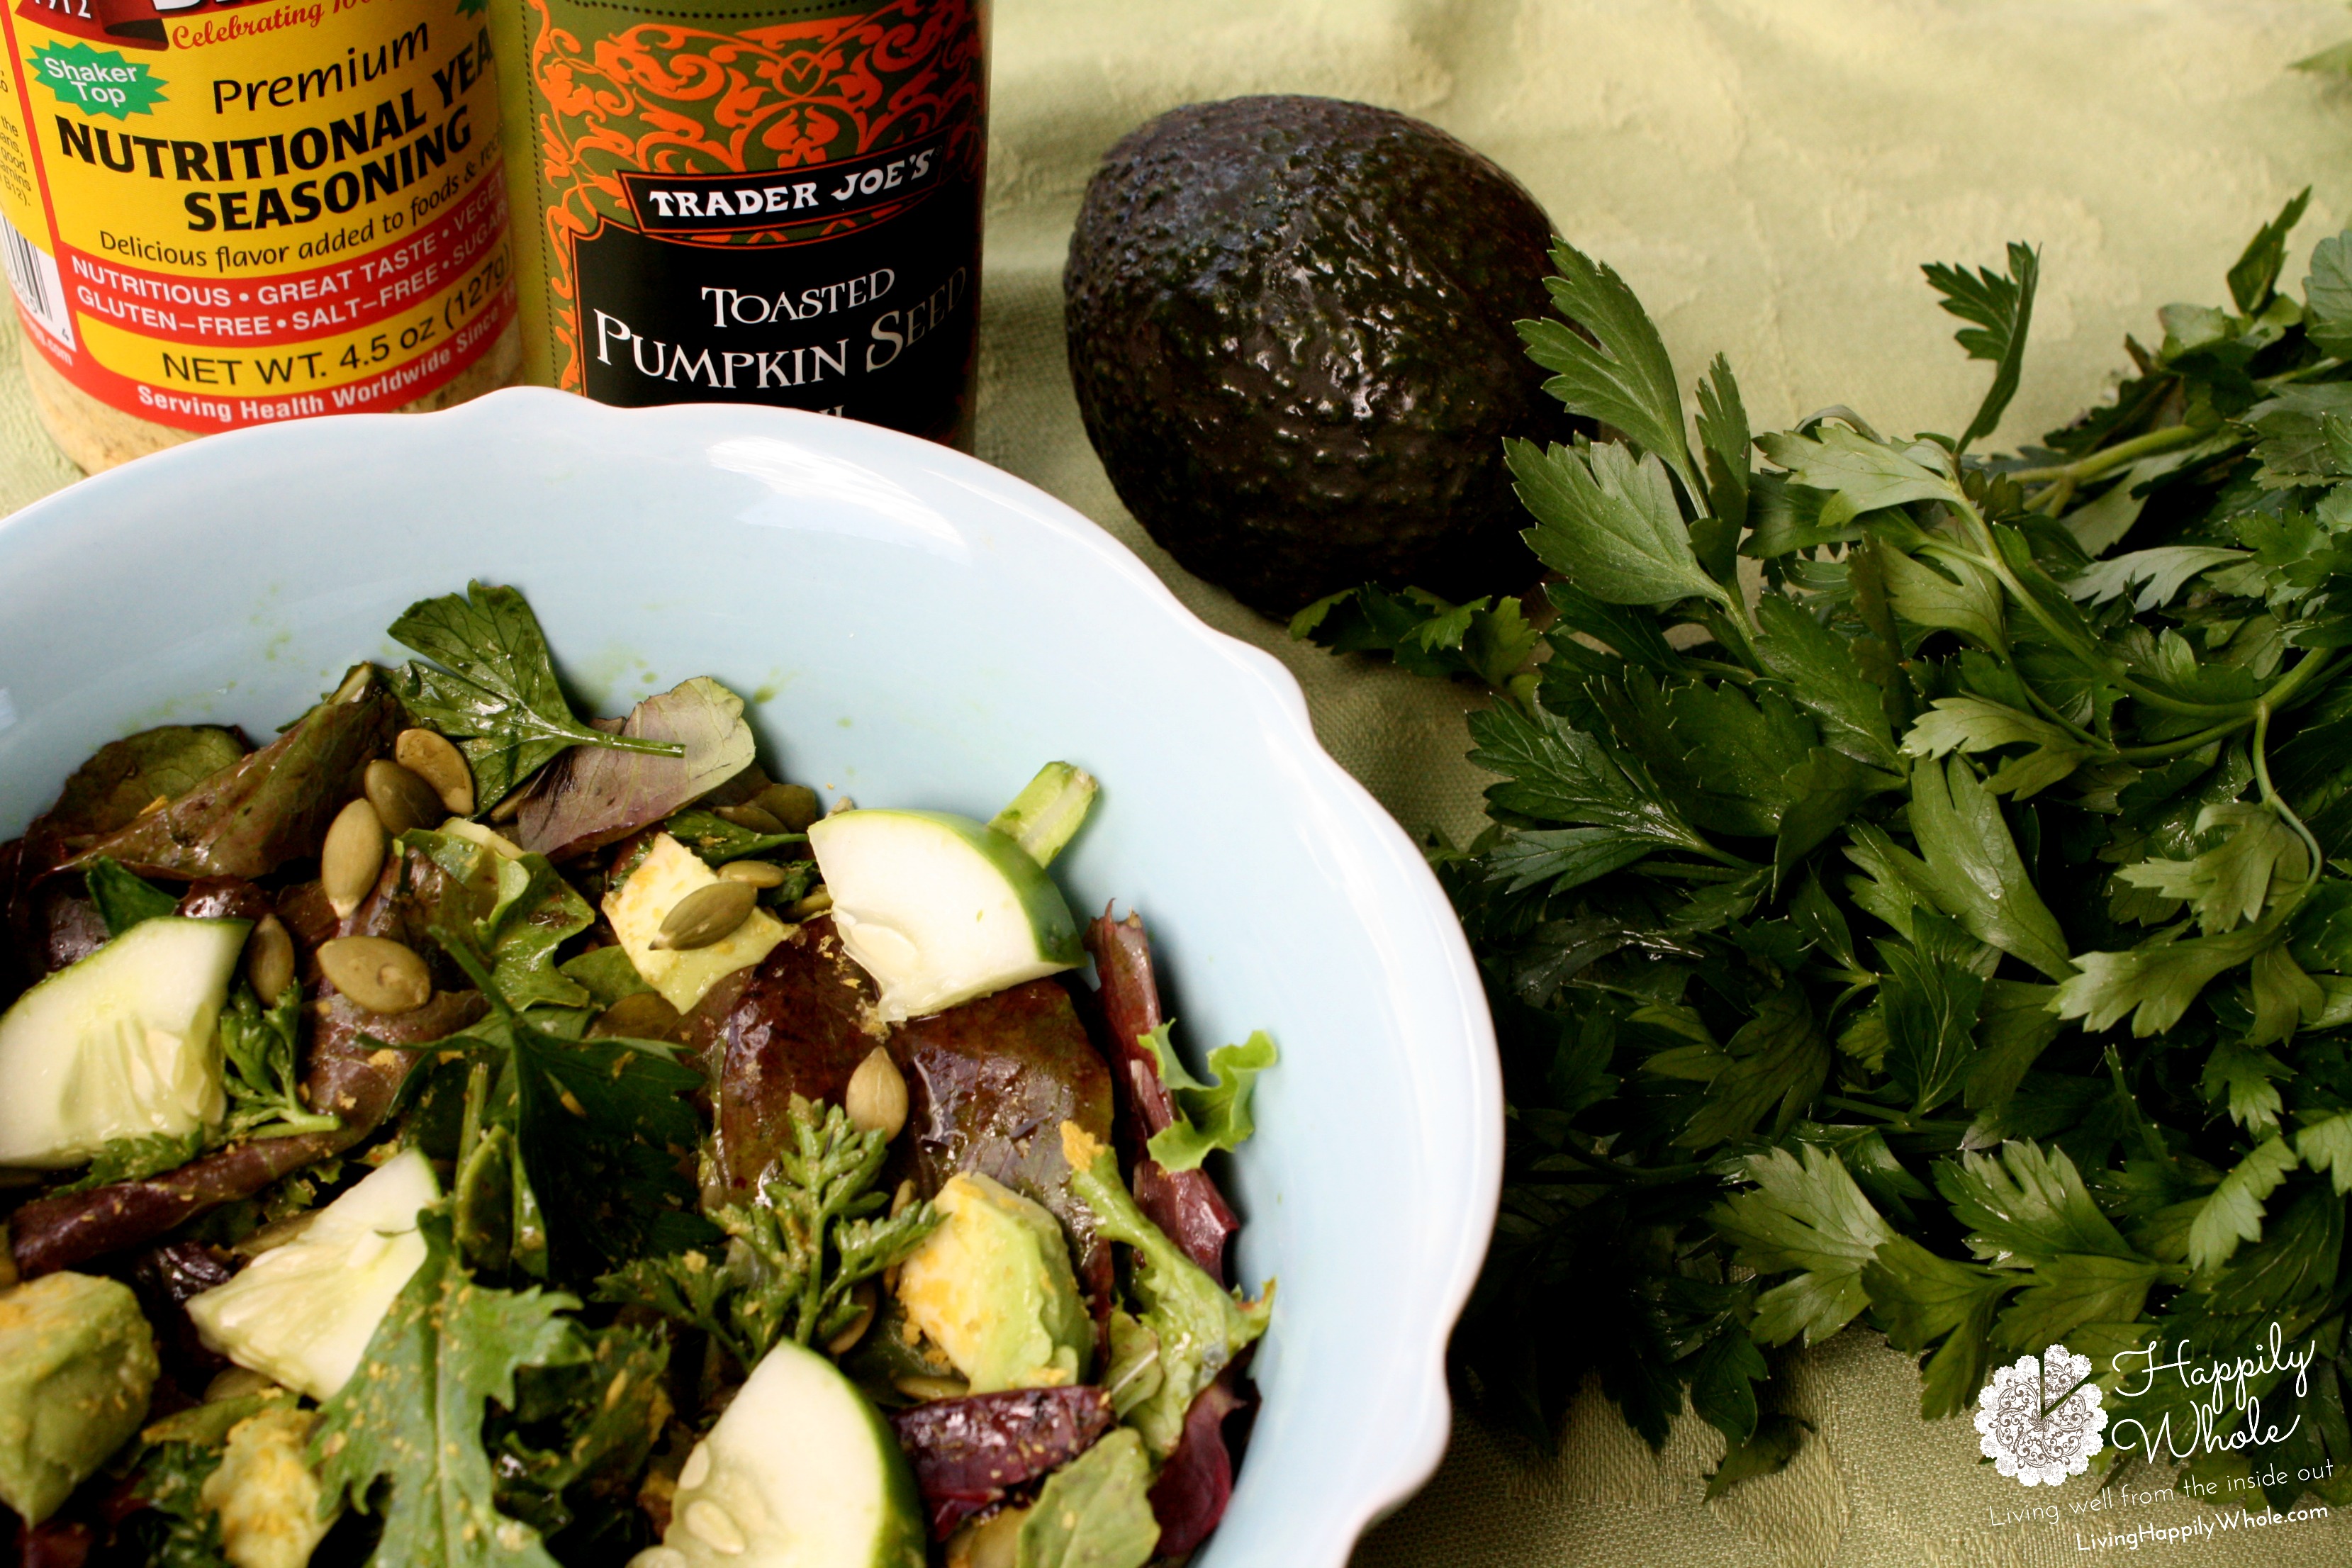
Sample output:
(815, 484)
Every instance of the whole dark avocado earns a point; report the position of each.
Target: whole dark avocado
(1289, 325)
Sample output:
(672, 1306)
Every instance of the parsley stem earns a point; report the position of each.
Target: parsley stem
(477, 1091)
(2289, 690)
(1989, 558)
(1584, 1153)
(2277, 802)
(2170, 438)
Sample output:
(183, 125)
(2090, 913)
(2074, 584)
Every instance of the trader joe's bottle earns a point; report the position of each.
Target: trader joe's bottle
(751, 201)
(223, 213)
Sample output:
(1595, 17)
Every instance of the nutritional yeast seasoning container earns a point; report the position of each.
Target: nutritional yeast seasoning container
(223, 213)
(750, 201)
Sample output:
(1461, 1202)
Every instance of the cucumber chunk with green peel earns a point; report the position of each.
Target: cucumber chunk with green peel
(940, 908)
(303, 1313)
(120, 1045)
(800, 1472)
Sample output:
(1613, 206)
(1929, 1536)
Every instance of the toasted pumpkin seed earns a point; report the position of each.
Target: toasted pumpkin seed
(877, 1096)
(708, 914)
(431, 757)
(356, 682)
(402, 799)
(815, 904)
(352, 858)
(376, 972)
(925, 1389)
(795, 805)
(508, 809)
(900, 1202)
(755, 873)
(236, 1383)
(644, 1015)
(748, 817)
(864, 1296)
(269, 960)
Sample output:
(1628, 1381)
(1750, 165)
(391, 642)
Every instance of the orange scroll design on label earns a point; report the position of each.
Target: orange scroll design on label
(668, 99)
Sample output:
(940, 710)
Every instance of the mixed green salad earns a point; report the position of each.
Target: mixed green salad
(459, 1133)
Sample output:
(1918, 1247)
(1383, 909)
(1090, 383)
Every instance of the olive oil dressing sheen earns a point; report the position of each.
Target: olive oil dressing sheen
(750, 201)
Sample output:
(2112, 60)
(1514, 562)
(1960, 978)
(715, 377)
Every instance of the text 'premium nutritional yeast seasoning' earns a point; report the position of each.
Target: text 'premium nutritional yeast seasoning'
(751, 201)
(221, 214)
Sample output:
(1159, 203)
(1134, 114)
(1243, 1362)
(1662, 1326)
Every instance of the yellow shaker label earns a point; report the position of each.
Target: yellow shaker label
(220, 215)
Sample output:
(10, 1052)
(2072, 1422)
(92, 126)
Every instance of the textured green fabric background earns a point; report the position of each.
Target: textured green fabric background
(1768, 174)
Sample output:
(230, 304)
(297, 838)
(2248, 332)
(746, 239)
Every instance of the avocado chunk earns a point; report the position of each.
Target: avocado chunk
(993, 1289)
(1289, 323)
(76, 1362)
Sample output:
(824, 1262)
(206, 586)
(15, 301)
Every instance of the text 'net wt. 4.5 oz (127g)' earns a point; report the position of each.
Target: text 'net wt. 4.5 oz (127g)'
(227, 214)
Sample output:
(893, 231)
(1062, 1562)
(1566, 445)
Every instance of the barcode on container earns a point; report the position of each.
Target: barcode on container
(33, 273)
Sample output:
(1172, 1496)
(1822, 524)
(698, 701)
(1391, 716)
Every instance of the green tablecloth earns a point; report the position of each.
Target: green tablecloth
(1768, 174)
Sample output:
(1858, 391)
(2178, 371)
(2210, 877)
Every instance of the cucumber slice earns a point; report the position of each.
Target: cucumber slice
(800, 1472)
(940, 908)
(303, 1313)
(120, 1045)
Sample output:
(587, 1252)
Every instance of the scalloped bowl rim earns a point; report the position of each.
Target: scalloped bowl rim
(1453, 1079)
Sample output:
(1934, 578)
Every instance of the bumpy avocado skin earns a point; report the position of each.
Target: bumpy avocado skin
(1289, 326)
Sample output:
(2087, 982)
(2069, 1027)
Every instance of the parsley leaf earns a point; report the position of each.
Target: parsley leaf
(1609, 523)
(2256, 277)
(597, 1124)
(2234, 1211)
(1620, 374)
(1972, 870)
(1212, 1115)
(124, 898)
(1860, 473)
(1931, 994)
(1924, 1298)
(1804, 1212)
(260, 1052)
(1559, 774)
(2000, 308)
(494, 688)
(1825, 679)
(412, 1418)
(809, 1237)
(134, 1159)
(1488, 639)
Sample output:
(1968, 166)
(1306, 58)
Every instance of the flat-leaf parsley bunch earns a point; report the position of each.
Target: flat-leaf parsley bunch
(1916, 892)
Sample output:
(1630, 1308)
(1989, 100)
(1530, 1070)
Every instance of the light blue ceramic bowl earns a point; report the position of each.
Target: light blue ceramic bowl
(912, 627)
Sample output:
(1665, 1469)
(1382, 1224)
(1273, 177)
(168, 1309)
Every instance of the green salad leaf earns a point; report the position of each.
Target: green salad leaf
(492, 686)
(1093, 1512)
(1212, 1115)
(1195, 1327)
(403, 1438)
